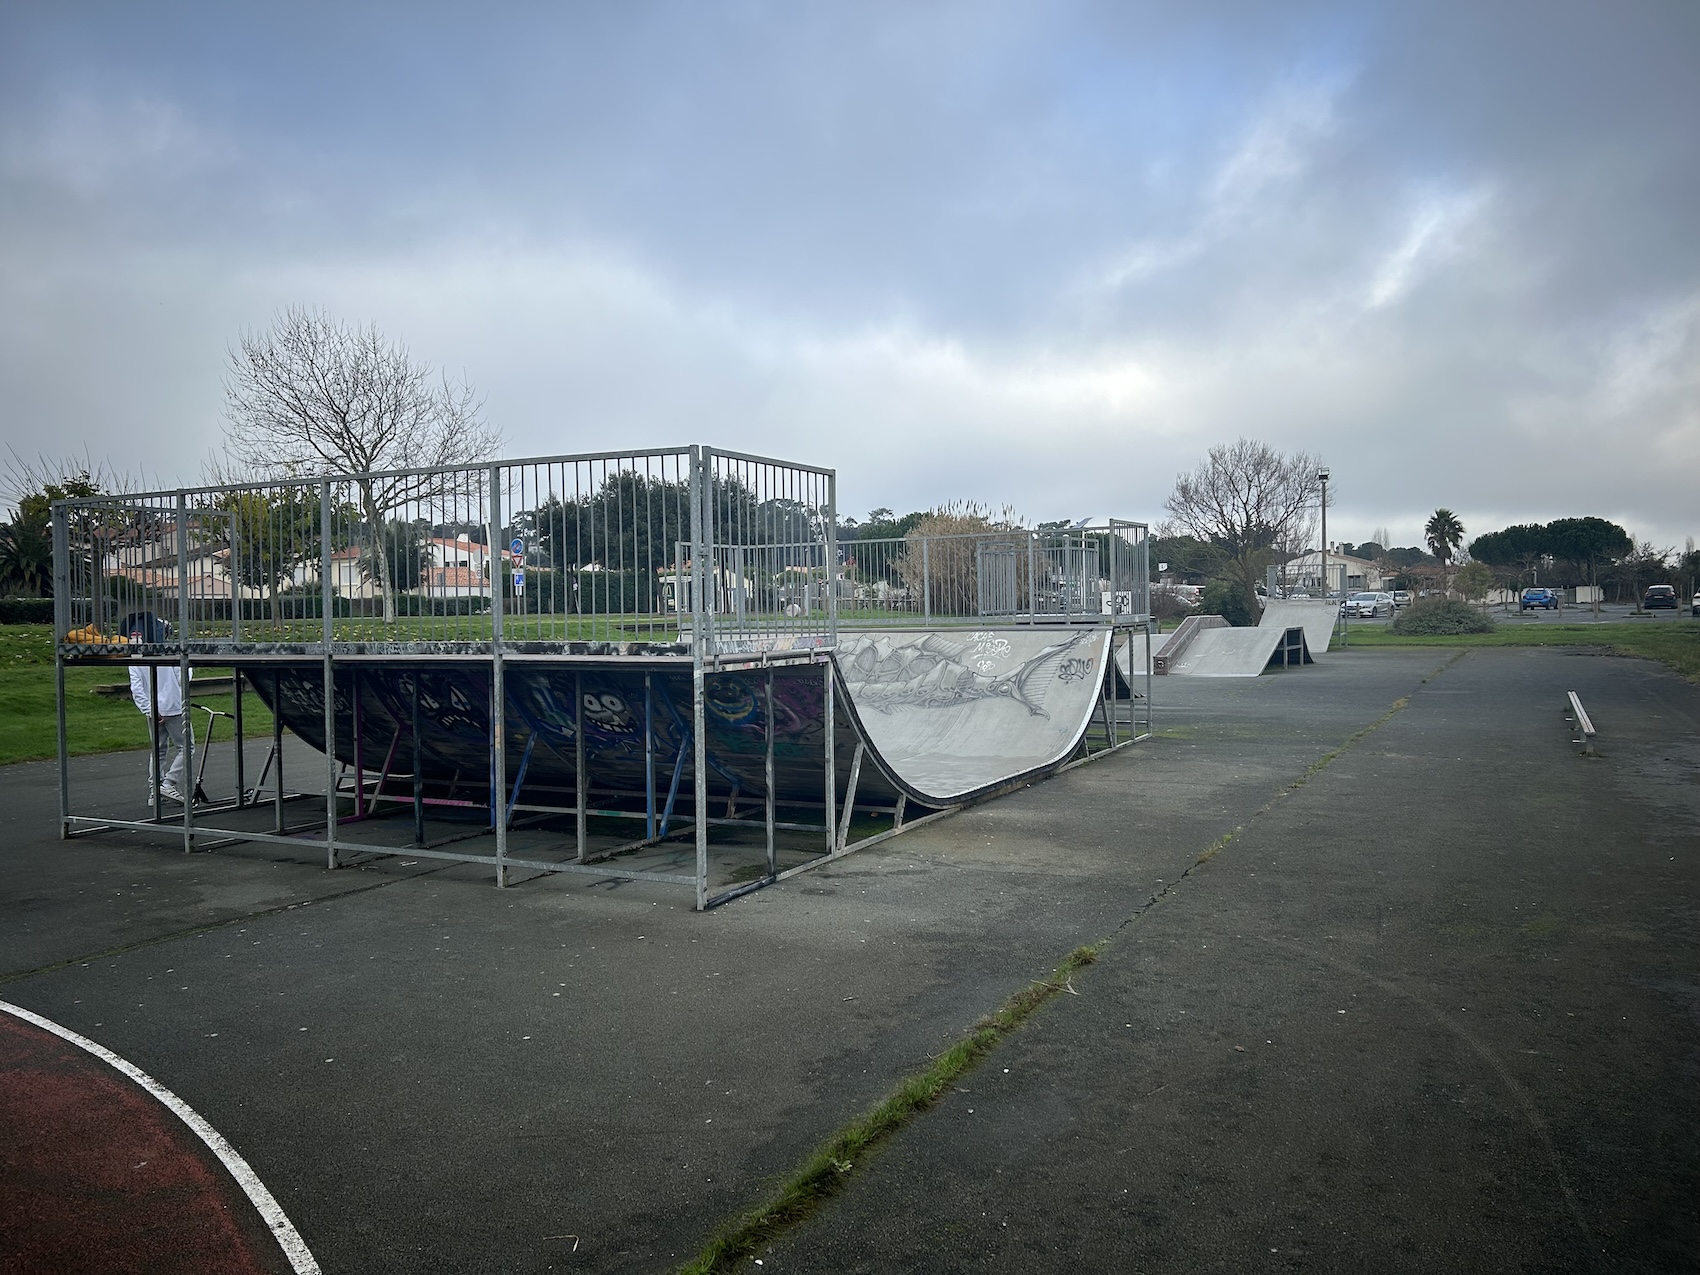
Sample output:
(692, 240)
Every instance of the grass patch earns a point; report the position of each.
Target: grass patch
(96, 724)
(823, 1174)
(1675, 645)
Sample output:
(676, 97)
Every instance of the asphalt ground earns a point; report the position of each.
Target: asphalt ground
(431, 1074)
(1437, 1009)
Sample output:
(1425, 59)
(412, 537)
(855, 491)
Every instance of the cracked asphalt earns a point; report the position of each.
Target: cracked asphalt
(1435, 1008)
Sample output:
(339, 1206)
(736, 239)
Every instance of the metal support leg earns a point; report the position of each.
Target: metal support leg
(831, 760)
(582, 792)
(699, 731)
(64, 744)
(767, 772)
(519, 779)
(418, 771)
(897, 815)
(154, 775)
(1150, 709)
(649, 759)
(499, 750)
(850, 796)
(384, 774)
(331, 767)
(236, 712)
(184, 672)
(673, 792)
(359, 752)
(277, 755)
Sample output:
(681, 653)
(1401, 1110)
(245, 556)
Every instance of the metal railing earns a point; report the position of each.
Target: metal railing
(615, 547)
(1089, 574)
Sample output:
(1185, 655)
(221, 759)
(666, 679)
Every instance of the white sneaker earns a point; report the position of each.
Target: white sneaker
(171, 792)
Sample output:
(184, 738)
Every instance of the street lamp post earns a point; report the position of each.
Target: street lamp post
(1322, 477)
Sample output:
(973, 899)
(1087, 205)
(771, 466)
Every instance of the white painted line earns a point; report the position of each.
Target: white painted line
(294, 1247)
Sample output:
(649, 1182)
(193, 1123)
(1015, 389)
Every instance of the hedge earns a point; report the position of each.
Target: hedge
(26, 610)
(1440, 617)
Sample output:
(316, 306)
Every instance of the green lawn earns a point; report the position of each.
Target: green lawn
(1677, 645)
(97, 724)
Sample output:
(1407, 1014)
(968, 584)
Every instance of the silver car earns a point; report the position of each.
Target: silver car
(1369, 604)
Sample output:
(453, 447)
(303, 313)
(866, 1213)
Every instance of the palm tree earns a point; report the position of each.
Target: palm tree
(1444, 534)
(26, 555)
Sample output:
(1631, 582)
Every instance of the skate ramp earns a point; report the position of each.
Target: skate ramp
(951, 714)
(1241, 652)
(943, 716)
(1132, 661)
(1316, 617)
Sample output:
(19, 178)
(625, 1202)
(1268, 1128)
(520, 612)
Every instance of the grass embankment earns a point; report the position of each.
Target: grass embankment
(1676, 645)
(96, 723)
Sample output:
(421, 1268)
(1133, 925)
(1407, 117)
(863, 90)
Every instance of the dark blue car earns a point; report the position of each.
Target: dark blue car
(1533, 598)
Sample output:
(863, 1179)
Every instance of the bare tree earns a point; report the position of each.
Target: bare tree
(30, 483)
(1246, 499)
(314, 395)
(947, 571)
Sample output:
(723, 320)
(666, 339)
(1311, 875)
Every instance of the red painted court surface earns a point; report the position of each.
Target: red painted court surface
(97, 1175)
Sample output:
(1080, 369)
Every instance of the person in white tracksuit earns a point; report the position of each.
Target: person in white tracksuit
(174, 728)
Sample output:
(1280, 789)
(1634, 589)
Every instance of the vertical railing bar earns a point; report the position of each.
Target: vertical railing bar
(184, 672)
(698, 466)
(326, 613)
(62, 626)
(498, 690)
(926, 583)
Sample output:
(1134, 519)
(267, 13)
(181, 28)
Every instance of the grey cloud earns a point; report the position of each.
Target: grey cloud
(1037, 253)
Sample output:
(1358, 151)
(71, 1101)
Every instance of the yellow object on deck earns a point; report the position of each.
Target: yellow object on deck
(89, 635)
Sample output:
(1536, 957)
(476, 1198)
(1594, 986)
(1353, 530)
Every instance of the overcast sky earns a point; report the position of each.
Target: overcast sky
(1042, 254)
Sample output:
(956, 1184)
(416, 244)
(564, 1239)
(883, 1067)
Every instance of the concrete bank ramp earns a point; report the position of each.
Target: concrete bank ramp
(1241, 652)
(1131, 661)
(949, 714)
(1316, 617)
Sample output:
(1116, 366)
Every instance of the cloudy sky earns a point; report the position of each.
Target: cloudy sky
(1042, 254)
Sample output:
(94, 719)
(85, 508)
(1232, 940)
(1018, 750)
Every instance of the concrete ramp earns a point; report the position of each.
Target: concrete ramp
(948, 714)
(1130, 657)
(1316, 617)
(1242, 652)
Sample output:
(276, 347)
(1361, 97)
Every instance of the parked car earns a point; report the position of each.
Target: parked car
(1533, 598)
(1695, 610)
(1659, 595)
(1370, 604)
(1401, 598)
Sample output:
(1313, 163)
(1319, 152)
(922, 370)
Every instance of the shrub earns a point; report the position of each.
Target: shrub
(1226, 599)
(1439, 617)
(26, 610)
